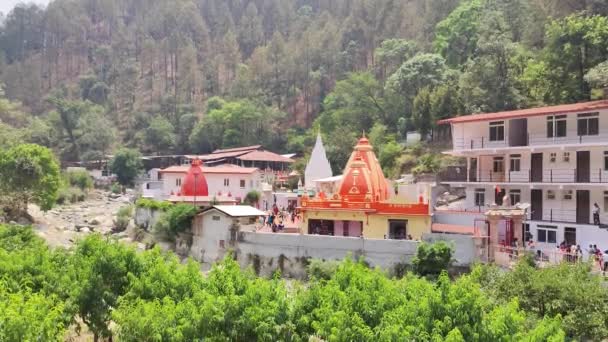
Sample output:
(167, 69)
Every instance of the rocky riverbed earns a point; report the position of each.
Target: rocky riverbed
(64, 224)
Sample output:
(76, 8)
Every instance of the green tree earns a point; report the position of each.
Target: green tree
(574, 45)
(160, 135)
(126, 165)
(432, 259)
(99, 273)
(456, 36)
(252, 198)
(30, 174)
(422, 115)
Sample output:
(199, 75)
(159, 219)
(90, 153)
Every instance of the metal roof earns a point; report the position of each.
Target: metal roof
(529, 112)
(237, 210)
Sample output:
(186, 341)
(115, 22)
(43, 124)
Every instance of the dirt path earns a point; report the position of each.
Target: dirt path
(64, 224)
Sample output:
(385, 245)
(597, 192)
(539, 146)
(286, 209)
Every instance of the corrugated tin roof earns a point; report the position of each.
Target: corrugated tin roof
(209, 170)
(265, 156)
(522, 113)
(235, 149)
(452, 229)
(238, 210)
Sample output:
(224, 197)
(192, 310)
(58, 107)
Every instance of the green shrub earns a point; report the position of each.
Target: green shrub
(321, 269)
(123, 217)
(80, 179)
(115, 188)
(70, 195)
(153, 204)
(175, 220)
(252, 197)
(432, 259)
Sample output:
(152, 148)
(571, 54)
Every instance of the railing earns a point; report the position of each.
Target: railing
(459, 174)
(477, 143)
(473, 143)
(558, 215)
(573, 138)
(508, 256)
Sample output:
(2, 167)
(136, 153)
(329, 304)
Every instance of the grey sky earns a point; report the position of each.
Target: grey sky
(7, 5)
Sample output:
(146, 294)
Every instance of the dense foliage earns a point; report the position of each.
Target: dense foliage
(29, 173)
(152, 296)
(86, 77)
(126, 165)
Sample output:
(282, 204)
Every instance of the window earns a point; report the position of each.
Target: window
(547, 235)
(178, 182)
(497, 131)
(553, 157)
(242, 184)
(588, 124)
(515, 162)
(515, 196)
(556, 126)
(567, 194)
(345, 227)
(215, 218)
(550, 194)
(606, 201)
(498, 165)
(226, 182)
(566, 157)
(480, 197)
(606, 160)
(251, 183)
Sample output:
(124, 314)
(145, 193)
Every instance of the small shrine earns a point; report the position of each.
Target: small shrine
(318, 166)
(364, 205)
(194, 189)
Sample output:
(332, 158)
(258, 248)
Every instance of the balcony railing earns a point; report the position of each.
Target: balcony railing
(459, 174)
(559, 215)
(474, 143)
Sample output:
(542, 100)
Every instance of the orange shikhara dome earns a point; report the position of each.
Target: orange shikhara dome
(356, 181)
(364, 154)
(195, 183)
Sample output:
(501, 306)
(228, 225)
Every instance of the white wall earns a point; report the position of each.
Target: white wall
(215, 182)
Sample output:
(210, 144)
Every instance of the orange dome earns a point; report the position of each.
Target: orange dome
(195, 183)
(379, 185)
(356, 181)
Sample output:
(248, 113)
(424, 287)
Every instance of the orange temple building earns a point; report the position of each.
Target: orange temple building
(365, 205)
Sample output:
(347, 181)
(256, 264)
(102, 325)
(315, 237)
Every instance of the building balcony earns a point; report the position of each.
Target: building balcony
(531, 140)
(560, 215)
(550, 176)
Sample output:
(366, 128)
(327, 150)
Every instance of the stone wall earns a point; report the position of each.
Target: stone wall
(146, 218)
(290, 252)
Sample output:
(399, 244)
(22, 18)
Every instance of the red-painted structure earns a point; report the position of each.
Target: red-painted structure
(194, 183)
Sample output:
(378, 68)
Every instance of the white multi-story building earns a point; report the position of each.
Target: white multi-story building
(554, 158)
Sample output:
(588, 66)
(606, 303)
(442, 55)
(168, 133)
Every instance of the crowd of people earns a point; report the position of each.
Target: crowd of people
(565, 252)
(277, 218)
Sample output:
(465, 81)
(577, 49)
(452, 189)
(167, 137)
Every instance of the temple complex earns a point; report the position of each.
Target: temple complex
(364, 204)
(318, 165)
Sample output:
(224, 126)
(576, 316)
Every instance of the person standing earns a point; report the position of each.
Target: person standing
(596, 214)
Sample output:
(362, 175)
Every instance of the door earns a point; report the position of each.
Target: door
(499, 195)
(536, 172)
(582, 166)
(582, 207)
(473, 170)
(536, 205)
(518, 132)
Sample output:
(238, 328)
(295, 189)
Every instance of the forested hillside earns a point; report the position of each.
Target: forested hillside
(163, 76)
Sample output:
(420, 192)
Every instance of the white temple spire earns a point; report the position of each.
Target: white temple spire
(318, 165)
